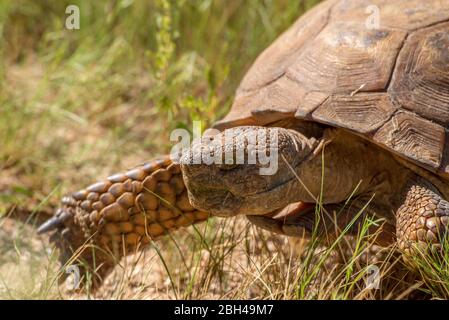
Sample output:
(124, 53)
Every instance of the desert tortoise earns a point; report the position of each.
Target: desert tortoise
(361, 99)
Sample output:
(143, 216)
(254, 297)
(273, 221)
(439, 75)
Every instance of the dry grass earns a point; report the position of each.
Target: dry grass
(220, 259)
(76, 106)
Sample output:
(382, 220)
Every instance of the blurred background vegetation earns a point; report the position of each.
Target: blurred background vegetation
(76, 105)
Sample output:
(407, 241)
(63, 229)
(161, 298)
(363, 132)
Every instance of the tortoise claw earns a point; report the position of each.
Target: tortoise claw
(54, 223)
(279, 226)
(267, 223)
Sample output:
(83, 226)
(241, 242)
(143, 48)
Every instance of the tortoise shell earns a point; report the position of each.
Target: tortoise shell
(388, 83)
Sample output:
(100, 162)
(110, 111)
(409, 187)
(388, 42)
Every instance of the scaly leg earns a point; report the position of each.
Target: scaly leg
(119, 215)
(422, 217)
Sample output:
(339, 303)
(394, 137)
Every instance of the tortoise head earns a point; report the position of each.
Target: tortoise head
(245, 170)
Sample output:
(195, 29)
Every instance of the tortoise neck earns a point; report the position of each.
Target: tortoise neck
(346, 166)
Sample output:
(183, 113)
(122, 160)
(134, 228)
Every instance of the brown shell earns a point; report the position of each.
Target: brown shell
(388, 83)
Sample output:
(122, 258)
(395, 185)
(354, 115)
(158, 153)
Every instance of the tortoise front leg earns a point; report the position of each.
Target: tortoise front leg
(117, 216)
(422, 217)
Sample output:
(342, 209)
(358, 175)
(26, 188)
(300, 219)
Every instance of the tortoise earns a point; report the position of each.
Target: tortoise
(353, 111)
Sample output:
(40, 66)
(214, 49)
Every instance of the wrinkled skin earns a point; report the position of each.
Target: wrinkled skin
(228, 190)
(352, 167)
(233, 189)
